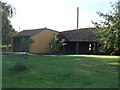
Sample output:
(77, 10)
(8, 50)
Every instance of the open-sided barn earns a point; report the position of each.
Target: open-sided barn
(79, 41)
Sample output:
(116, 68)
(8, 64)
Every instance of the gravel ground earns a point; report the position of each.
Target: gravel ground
(12, 54)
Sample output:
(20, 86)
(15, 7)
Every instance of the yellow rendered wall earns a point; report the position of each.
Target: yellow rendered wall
(41, 41)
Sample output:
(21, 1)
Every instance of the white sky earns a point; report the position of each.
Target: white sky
(58, 15)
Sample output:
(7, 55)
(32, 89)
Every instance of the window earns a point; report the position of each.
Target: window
(90, 47)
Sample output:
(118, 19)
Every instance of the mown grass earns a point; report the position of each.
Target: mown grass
(62, 71)
(6, 50)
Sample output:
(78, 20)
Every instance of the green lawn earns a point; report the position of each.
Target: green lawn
(6, 50)
(62, 71)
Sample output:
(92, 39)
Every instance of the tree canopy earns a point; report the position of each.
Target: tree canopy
(7, 28)
(108, 31)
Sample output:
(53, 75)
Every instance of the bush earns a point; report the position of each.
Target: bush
(4, 47)
(19, 67)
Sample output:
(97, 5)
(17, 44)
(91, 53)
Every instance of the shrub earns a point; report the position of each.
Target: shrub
(4, 47)
(19, 67)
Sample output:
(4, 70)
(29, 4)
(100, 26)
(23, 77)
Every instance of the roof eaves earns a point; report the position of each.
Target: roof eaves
(90, 28)
(37, 33)
(51, 30)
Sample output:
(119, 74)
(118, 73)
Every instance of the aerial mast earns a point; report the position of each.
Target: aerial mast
(77, 43)
(77, 17)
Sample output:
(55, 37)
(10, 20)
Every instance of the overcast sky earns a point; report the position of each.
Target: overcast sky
(58, 15)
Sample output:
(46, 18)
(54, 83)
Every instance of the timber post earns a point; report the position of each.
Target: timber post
(94, 47)
(63, 49)
(77, 47)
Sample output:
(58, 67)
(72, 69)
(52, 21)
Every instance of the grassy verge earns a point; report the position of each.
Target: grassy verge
(62, 71)
(6, 50)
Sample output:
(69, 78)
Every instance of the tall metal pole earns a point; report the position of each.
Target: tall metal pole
(77, 17)
(77, 43)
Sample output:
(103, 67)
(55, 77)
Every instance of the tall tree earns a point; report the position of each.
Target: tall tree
(108, 31)
(7, 29)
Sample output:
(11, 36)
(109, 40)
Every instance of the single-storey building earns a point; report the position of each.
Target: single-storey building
(79, 41)
(41, 39)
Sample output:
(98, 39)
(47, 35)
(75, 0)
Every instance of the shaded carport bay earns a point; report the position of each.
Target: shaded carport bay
(79, 41)
(79, 48)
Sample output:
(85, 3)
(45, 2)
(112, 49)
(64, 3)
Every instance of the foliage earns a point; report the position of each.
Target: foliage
(5, 47)
(55, 44)
(7, 29)
(18, 67)
(108, 31)
(26, 44)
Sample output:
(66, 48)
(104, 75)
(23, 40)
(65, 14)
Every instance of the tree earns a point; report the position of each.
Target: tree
(7, 29)
(55, 44)
(26, 44)
(108, 31)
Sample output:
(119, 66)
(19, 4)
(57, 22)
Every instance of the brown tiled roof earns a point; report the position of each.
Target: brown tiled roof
(31, 32)
(83, 34)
